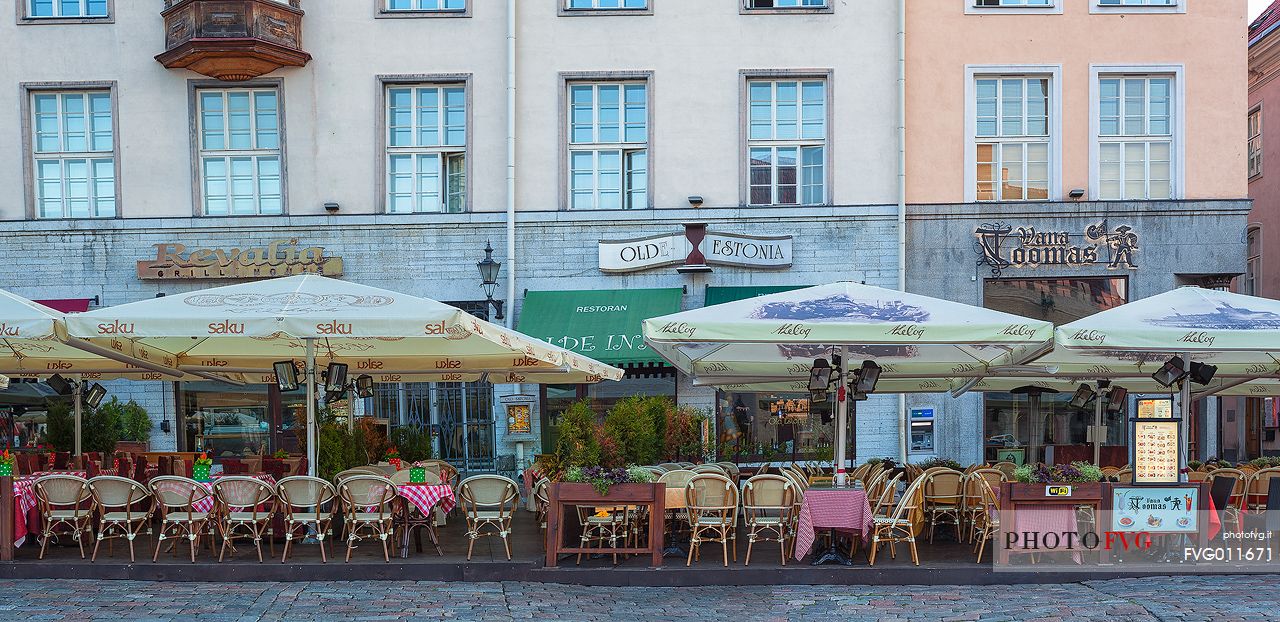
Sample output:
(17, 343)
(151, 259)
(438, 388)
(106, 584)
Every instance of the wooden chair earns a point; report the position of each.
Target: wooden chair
(541, 502)
(243, 507)
(902, 525)
(987, 520)
(489, 501)
(769, 502)
(175, 502)
(123, 508)
(367, 503)
(65, 502)
(712, 506)
(306, 503)
(943, 498)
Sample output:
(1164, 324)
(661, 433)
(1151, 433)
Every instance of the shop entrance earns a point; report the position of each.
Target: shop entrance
(460, 416)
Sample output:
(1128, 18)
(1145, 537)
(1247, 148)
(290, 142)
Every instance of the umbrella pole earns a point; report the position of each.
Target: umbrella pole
(79, 412)
(309, 376)
(1037, 428)
(842, 418)
(1184, 408)
(1097, 424)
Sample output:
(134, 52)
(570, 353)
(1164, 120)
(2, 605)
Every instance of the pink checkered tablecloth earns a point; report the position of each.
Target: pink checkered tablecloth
(427, 496)
(845, 509)
(80, 474)
(206, 504)
(24, 495)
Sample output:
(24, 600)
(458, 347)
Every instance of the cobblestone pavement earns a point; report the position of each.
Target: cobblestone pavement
(1183, 599)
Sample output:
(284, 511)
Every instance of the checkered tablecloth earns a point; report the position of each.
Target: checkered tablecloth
(80, 474)
(206, 504)
(845, 509)
(427, 496)
(24, 496)
(1057, 519)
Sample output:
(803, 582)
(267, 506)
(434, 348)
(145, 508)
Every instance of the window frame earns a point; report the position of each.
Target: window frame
(386, 82)
(29, 89)
(745, 9)
(1249, 282)
(1251, 150)
(563, 10)
(380, 11)
(194, 87)
(1053, 8)
(972, 74)
(24, 19)
(745, 77)
(1177, 125)
(1179, 6)
(568, 79)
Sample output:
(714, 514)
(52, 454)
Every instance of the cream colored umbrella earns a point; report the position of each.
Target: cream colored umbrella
(245, 328)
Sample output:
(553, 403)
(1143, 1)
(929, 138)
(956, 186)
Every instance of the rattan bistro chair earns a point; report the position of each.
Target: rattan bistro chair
(986, 522)
(902, 525)
(242, 510)
(943, 499)
(713, 514)
(489, 501)
(65, 502)
(367, 503)
(769, 502)
(176, 499)
(123, 508)
(306, 504)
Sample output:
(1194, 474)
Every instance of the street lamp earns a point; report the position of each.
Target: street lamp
(489, 279)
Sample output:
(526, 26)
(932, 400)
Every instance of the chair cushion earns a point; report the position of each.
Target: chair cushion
(714, 520)
(120, 517)
(484, 515)
(247, 517)
(182, 517)
(371, 517)
(311, 517)
(66, 514)
(766, 520)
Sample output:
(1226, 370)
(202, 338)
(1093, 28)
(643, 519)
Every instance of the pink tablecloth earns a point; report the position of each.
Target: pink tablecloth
(832, 508)
(1045, 520)
(206, 504)
(427, 496)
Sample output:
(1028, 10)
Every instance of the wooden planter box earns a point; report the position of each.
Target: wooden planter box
(563, 495)
(1030, 493)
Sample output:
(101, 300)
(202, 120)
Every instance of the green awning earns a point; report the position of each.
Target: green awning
(603, 324)
(721, 295)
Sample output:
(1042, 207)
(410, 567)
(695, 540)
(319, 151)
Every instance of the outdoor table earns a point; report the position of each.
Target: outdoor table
(427, 498)
(206, 504)
(79, 474)
(676, 500)
(845, 509)
(24, 496)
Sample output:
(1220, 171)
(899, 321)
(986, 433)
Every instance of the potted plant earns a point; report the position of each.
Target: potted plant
(200, 468)
(1076, 480)
(7, 464)
(603, 479)
(280, 454)
(393, 456)
(418, 473)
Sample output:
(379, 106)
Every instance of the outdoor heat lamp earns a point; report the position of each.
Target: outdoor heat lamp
(60, 385)
(93, 397)
(1084, 393)
(819, 376)
(336, 378)
(286, 375)
(1171, 372)
(1116, 399)
(364, 385)
(1201, 373)
(868, 376)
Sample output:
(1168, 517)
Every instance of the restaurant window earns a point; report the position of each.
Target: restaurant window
(73, 153)
(1135, 138)
(240, 151)
(232, 421)
(1255, 142)
(1012, 138)
(608, 145)
(426, 148)
(459, 415)
(1061, 431)
(769, 427)
(649, 381)
(787, 142)
(1253, 261)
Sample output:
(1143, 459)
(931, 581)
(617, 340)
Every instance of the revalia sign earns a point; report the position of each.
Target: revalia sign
(696, 248)
(278, 258)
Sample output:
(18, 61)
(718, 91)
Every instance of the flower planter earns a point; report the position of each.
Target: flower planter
(1079, 491)
(417, 475)
(582, 491)
(563, 495)
(200, 472)
(6, 469)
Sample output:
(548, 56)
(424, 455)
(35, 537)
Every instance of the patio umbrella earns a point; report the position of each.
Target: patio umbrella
(245, 328)
(777, 337)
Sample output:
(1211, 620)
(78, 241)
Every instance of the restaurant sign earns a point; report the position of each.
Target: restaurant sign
(1002, 246)
(278, 258)
(694, 250)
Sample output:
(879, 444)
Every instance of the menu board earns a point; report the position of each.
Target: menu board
(1155, 452)
(1155, 510)
(1161, 408)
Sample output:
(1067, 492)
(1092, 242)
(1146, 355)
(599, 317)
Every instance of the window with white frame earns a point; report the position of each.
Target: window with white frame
(55, 9)
(240, 151)
(426, 5)
(426, 148)
(1253, 262)
(1012, 138)
(73, 154)
(1017, 3)
(787, 142)
(1135, 137)
(1137, 2)
(785, 4)
(604, 5)
(608, 145)
(1255, 142)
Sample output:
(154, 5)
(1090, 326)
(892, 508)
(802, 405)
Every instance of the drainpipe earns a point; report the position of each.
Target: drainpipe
(511, 162)
(904, 428)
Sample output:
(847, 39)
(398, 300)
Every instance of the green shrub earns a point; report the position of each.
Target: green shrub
(132, 419)
(413, 441)
(100, 428)
(632, 426)
(579, 444)
(940, 462)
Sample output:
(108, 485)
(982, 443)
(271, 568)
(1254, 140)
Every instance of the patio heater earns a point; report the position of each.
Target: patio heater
(1035, 427)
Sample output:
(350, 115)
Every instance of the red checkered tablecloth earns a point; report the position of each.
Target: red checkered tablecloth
(24, 495)
(835, 508)
(427, 496)
(206, 504)
(80, 474)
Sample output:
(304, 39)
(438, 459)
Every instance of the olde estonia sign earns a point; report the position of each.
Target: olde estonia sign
(1032, 248)
(695, 250)
(278, 258)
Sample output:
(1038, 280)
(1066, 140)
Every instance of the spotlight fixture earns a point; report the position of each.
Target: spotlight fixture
(1116, 399)
(819, 376)
(364, 385)
(1171, 372)
(332, 208)
(695, 201)
(868, 376)
(1076, 193)
(336, 379)
(60, 385)
(286, 375)
(93, 397)
(1084, 394)
(1202, 373)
